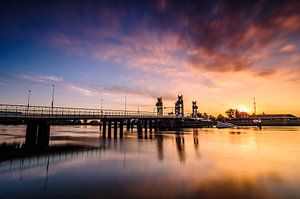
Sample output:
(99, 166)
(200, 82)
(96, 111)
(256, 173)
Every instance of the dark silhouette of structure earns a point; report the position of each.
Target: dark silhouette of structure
(194, 109)
(39, 118)
(179, 110)
(159, 107)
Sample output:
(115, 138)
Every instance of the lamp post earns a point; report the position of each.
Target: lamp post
(101, 105)
(125, 104)
(28, 100)
(52, 103)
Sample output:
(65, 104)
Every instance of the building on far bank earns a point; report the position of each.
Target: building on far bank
(267, 120)
(274, 117)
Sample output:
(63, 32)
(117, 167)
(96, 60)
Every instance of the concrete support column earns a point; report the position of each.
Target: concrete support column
(43, 135)
(109, 129)
(121, 128)
(139, 129)
(131, 125)
(31, 134)
(104, 128)
(37, 134)
(146, 125)
(156, 125)
(115, 128)
(150, 125)
(128, 125)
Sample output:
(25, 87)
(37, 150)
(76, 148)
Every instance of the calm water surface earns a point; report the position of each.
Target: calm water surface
(199, 163)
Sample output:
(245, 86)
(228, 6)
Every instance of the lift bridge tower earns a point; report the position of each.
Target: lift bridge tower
(179, 111)
(195, 109)
(159, 107)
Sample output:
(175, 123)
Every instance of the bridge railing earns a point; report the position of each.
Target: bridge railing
(8, 110)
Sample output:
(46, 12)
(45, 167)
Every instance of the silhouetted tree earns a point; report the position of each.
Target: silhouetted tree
(220, 118)
(205, 116)
(211, 117)
(237, 113)
(230, 113)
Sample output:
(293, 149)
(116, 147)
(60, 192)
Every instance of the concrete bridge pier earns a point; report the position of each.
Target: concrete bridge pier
(37, 133)
(146, 125)
(128, 125)
(121, 128)
(150, 129)
(155, 125)
(140, 129)
(109, 129)
(146, 128)
(104, 128)
(115, 128)
(132, 125)
(150, 125)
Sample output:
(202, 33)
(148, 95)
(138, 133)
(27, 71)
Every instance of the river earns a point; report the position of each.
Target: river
(192, 163)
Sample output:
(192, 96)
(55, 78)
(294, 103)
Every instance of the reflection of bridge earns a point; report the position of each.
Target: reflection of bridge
(35, 160)
(38, 118)
(15, 158)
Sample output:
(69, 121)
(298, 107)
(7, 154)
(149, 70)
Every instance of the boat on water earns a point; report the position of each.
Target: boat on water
(225, 125)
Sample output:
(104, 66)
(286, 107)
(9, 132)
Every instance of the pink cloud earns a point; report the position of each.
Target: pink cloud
(289, 23)
(289, 48)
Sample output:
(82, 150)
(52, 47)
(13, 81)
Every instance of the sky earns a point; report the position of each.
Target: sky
(219, 53)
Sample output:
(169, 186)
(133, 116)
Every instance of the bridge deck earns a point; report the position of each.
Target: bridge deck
(8, 111)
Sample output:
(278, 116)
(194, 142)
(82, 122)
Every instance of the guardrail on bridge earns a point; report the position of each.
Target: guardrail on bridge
(23, 111)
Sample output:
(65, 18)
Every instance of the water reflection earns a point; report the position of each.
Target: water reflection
(80, 163)
(160, 148)
(180, 147)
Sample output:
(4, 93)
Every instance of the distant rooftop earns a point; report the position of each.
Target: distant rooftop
(274, 116)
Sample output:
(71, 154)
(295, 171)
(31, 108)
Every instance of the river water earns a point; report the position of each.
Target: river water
(193, 163)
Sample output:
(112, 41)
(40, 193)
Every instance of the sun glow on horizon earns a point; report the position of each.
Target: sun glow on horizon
(243, 108)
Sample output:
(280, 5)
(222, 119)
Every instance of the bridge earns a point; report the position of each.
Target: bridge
(67, 113)
(38, 120)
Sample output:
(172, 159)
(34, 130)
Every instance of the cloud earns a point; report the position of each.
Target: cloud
(219, 62)
(34, 77)
(265, 72)
(290, 23)
(295, 58)
(140, 90)
(81, 90)
(136, 91)
(225, 36)
(290, 48)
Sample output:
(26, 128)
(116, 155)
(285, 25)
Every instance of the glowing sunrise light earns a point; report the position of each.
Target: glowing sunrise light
(243, 108)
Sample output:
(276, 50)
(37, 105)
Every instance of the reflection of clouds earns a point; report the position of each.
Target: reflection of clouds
(214, 187)
(274, 177)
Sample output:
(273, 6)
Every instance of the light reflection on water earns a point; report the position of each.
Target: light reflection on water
(206, 163)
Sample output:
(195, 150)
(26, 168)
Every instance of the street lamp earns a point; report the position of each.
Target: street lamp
(125, 104)
(101, 105)
(52, 103)
(28, 100)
